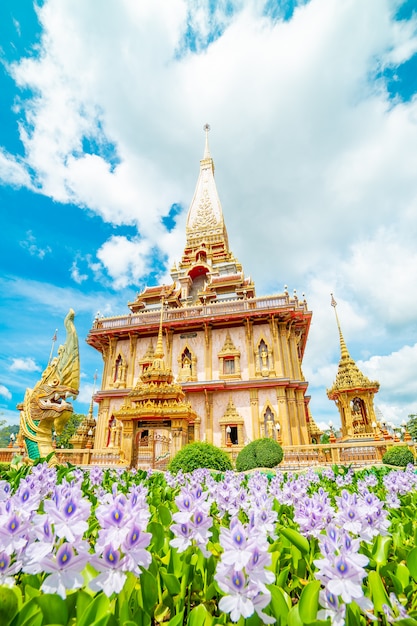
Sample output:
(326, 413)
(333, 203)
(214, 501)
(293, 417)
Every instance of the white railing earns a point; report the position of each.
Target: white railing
(203, 310)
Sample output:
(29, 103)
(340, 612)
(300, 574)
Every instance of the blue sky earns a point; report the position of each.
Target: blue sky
(313, 109)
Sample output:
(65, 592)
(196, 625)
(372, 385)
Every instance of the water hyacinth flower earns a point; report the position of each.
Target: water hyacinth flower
(192, 522)
(65, 567)
(111, 565)
(242, 572)
(341, 571)
(121, 543)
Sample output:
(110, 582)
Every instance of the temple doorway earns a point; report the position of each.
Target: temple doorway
(152, 448)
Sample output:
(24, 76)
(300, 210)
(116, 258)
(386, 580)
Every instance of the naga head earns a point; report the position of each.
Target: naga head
(60, 382)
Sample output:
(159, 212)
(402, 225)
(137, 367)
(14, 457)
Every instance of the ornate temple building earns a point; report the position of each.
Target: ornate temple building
(202, 358)
(353, 394)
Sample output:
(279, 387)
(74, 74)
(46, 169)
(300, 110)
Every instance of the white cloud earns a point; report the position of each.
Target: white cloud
(126, 260)
(24, 365)
(12, 171)
(29, 243)
(76, 275)
(5, 393)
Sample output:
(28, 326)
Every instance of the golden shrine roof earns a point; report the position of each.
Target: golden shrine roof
(349, 377)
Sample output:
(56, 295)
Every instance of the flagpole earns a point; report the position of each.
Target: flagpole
(54, 338)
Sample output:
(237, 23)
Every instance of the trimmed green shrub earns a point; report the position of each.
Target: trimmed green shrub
(259, 453)
(200, 454)
(399, 456)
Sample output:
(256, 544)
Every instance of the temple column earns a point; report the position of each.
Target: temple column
(102, 424)
(254, 407)
(209, 416)
(127, 442)
(283, 416)
(250, 347)
(131, 371)
(283, 340)
(208, 360)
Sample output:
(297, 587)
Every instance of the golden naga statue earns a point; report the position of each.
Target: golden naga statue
(45, 407)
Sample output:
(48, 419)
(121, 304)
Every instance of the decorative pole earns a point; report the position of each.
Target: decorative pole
(54, 338)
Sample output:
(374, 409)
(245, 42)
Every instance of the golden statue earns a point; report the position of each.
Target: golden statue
(45, 407)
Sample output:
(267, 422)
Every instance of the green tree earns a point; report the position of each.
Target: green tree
(412, 425)
(63, 440)
(5, 431)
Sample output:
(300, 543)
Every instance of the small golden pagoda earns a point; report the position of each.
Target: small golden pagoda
(155, 416)
(353, 394)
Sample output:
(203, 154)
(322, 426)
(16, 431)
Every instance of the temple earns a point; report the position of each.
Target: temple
(202, 358)
(353, 394)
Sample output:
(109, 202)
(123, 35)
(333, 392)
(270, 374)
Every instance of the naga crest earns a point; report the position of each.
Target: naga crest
(46, 406)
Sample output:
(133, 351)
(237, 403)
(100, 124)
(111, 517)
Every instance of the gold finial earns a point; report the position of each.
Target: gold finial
(91, 410)
(206, 129)
(54, 338)
(159, 350)
(343, 349)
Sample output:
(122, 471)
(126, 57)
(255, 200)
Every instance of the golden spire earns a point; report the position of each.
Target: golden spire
(207, 154)
(343, 349)
(348, 375)
(205, 215)
(158, 362)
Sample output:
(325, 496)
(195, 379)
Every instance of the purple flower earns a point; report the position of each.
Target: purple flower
(110, 564)
(65, 567)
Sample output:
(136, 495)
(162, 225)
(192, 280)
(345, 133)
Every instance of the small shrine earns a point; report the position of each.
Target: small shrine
(353, 394)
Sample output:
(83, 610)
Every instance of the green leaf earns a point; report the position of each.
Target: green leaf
(279, 605)
(83, 600)
(54, 608)
(164, 515)
(412, 563)
(34, 620)
(9, 605)
(96, 610)
(177, 620)
(296, 539)
(381, 549)
(378, 591)
(158, 536)
(199, 616)
(403, 574)
(309, 602)
(293, 617)
(149, 591)
(171, 582)
(29, 615)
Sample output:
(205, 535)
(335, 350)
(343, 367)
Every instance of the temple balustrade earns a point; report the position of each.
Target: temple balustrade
(145, 318)
(357, 454)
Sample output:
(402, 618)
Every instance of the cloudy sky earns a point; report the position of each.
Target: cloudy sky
(313, 114)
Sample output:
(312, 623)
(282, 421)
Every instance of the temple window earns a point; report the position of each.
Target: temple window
(228, 365)
(187, 366)
(119, 372)
(231, 426)
(263, 356)
(146, 361)
(270, 425)
(229, 360)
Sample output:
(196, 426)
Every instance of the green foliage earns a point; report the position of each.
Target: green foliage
(399, 456)
(5, 431)
(412, 425)
(63, 440)
(200, 454)
(259, 453)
